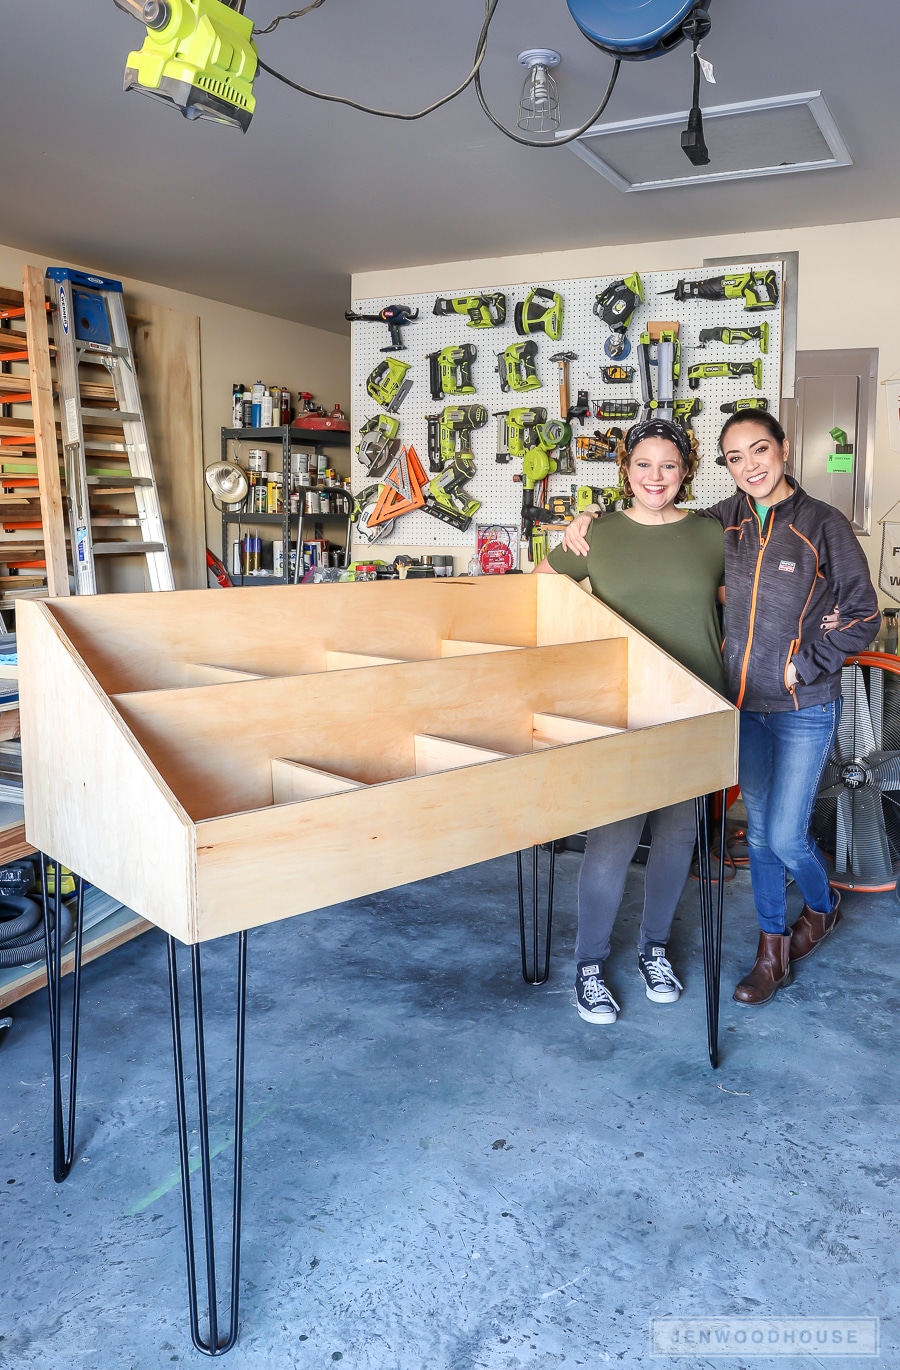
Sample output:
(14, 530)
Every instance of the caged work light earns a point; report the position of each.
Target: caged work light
(539, 105)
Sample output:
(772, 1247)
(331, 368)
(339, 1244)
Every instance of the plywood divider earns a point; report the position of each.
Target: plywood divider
(454, 647)
(435, 754)
(552, 730)
(203, 673)
(293, 781)
(345, 661)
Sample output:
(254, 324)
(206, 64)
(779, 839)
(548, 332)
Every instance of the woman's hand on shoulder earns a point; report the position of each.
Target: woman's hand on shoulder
(575, 536)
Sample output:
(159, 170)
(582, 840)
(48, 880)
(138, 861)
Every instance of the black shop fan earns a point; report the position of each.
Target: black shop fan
(856, 819)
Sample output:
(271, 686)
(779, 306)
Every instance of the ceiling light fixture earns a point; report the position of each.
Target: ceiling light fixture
(539, 105)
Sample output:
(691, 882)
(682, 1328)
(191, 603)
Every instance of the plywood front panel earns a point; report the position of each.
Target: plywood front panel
(350, 845)
(215, 745)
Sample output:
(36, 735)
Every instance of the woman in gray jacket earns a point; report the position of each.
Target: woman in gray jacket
(788, 560)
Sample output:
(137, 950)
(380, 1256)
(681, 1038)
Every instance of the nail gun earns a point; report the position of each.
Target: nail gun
(484, 311)
(451, 459)
(516, 367)
(450, 370)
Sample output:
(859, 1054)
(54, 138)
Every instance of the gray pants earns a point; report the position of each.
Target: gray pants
(601, 883)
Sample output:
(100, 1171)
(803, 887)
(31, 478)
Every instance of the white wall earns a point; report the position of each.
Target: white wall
(235, 345)
(849, 297)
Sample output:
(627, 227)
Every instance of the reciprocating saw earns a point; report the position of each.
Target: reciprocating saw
(758, 289)
(484, 311)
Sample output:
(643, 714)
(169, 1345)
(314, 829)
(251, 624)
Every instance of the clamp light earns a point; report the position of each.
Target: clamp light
(198, 56)
(228, 482)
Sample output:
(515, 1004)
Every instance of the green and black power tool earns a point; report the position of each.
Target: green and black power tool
(517, 368)
(615, 306)
(758, 289)
(378, 443)
(705, 370)
(388, 383)
(730, 336)
(738, 406)
(484, 311)
(540, 312)
(451, 460)
(450, 370)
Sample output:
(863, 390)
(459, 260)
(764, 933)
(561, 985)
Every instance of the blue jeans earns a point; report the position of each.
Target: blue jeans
(782, 758)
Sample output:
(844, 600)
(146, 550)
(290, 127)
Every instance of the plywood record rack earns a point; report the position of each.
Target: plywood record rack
(220, 760)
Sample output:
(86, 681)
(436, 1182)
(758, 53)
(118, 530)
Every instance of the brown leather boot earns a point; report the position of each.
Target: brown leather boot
(811, 928)
(771, 970)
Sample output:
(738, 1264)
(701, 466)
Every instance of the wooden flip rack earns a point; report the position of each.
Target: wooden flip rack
(218, 761)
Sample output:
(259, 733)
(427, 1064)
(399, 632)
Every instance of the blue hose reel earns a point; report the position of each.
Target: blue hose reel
(632, 30)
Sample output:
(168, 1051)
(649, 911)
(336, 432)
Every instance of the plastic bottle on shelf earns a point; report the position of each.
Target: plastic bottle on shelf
(237, 406)
(268, 409)
(474, 564)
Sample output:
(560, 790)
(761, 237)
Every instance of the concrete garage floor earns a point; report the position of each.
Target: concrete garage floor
(448, 1169)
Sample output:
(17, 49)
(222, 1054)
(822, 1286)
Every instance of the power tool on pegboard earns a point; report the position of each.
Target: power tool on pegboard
(749, 402)
(600, 446)
(388, 384)
(615, 307)
(484, 311)
(731, 336)
(450, 370)
(378, 443)
(757, 289)
(396, 316)
(706, 370)
(452, 463)
(517, 368)
(540, 312)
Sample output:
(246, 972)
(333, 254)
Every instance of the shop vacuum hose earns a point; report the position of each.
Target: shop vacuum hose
(21, 930)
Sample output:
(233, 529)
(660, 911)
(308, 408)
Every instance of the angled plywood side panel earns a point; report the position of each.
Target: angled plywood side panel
(91, 799)
(134, 642)
(215, 745)
(659, 688)
(350, 845)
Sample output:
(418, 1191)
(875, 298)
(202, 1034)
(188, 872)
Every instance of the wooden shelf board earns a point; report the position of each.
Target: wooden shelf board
(112, 931)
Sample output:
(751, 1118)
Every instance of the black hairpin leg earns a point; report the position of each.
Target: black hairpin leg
(216, 1345)
(538, 974)
(63, 1123)
(711, 916)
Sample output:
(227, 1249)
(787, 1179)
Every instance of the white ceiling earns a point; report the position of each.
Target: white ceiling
(277, 219)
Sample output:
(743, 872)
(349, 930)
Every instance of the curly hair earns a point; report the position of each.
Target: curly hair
(688, 465)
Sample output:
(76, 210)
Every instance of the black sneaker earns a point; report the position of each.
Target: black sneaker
(663, 985)
(593, 1000)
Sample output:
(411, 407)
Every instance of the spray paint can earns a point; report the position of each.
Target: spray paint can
(247, 410)
(257, 399)
(285, 407)
(266, 408)
(237, 406)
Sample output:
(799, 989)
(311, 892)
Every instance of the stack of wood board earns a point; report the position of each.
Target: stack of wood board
(217, 761)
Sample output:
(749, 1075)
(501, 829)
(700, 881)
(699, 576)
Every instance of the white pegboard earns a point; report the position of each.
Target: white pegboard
(582, 333)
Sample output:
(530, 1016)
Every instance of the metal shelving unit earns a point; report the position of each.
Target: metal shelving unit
(289, 437)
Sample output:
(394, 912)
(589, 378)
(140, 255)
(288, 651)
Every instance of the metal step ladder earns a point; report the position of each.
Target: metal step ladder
(90, 327)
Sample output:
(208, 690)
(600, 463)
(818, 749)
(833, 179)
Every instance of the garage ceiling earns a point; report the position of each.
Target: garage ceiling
(277, 219)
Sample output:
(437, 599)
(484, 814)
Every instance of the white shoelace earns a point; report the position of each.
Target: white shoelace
(596, 993)
(661, 973)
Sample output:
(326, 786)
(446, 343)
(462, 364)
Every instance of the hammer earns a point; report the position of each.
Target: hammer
(562, 360)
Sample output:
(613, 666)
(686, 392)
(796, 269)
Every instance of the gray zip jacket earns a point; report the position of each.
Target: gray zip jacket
(780, 583)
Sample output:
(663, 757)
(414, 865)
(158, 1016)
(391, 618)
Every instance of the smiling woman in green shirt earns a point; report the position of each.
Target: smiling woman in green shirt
(660, 567)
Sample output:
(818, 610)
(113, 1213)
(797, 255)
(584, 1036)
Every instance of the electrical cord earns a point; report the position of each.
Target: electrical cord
(480, 50)
(553, 142)
(294, 14)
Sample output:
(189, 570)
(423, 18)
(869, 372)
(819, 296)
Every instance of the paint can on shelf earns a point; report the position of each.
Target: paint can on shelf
(256, 459)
